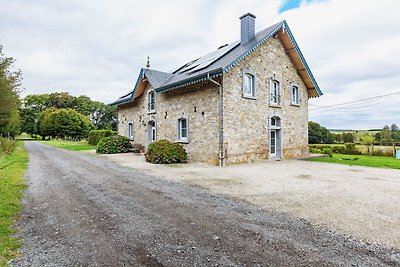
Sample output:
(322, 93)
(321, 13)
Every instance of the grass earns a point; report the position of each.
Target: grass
(361, 160)
(70, 145)
(12, 185)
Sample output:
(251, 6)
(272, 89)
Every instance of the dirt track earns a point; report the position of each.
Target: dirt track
(86, 211)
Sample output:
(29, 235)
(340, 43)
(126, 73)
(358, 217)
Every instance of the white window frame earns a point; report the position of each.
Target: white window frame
(248, 72)
(295, 95)
(275, 97)
(131, 132)
(179, 137)
(151, 105)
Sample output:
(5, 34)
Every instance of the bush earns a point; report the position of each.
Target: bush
(7, 146)
(113, 144)
(96, 135)
(351, 149)
(339, 149)
(165, 152)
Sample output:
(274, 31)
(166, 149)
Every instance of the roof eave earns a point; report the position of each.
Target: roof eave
(190, 80)
(314, 82)
(139, 79)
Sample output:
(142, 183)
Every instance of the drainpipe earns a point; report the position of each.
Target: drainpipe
(221, 128)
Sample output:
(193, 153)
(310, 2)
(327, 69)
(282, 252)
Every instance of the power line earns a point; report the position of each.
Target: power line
(381, 103)
(354, 102)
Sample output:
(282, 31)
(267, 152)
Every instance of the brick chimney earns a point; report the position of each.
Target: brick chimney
(247, 28)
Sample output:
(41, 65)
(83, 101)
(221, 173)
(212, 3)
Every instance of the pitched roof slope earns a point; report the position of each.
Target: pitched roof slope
(222, 60)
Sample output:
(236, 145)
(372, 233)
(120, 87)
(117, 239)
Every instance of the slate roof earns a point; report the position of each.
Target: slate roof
(211, 65)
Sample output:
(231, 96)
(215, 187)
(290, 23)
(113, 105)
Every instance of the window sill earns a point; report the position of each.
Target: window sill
(182, 141)
(275, 105)
(151, 112)
(295, 104)
(250, 97)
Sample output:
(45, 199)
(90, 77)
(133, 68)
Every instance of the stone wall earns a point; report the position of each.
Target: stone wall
(198, 103)
(246, 121)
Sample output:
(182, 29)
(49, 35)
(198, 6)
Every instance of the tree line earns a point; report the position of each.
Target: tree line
(48, 114)
(56, 115)
(318, 134)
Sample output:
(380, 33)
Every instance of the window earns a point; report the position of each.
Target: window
(151, 101)
(273, 121)
(275, 92)
(295, 95)
(183, 130)
(249, 83)
(130, 130)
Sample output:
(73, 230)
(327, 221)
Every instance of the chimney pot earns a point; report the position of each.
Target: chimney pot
(247, 28)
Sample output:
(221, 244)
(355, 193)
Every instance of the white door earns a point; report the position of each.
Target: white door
(273, 143)
(151, 132)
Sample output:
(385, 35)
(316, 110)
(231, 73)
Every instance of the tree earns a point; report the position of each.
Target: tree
(10, 87)
(386, 136)
(338, 138)
(368, 140)
(348, 137)
(394, 127)
(318, 134)
(101, 115)
(64, 123)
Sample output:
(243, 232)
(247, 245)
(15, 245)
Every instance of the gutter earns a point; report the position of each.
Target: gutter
(221, 155)
(190, 80)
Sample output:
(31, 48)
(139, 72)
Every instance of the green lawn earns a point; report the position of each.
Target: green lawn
(70, 145)
(12, 185)
(361, 160)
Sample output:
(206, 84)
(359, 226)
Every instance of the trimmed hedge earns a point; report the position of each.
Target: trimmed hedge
(113, 144)
(165, 152)
(96, 135)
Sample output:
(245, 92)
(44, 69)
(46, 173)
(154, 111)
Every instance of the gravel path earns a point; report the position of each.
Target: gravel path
(82, 210)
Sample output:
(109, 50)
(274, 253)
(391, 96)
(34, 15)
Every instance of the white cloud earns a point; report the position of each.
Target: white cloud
(97, 47)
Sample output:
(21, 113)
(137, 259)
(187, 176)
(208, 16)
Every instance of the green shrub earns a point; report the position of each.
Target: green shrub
(327, 151)
(351, 149)
(113, 144)
(165, 152)
(7, 146)
(339, 149)
(96, 135)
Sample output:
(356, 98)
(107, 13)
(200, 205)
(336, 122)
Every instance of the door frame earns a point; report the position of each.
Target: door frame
(275, 125)
(151, 128)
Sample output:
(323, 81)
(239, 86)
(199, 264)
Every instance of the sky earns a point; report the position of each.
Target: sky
(97, 47)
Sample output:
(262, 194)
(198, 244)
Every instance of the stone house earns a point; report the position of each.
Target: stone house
(246, 101)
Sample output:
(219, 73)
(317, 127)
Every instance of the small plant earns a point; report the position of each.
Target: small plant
(7, 146)
(113, 144)
(96, 135)
(165, 152)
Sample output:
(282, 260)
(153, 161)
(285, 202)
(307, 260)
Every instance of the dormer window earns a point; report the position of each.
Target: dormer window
(275, 92)
(249, 83)
(151, 102)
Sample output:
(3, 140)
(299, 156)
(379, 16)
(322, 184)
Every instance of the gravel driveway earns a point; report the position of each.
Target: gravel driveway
(82, 210)
(363, 202)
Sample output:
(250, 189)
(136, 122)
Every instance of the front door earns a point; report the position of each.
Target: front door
(272, 142)
(151, 132)
(275, 138)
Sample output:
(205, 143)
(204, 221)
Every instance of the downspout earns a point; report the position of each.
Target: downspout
(221, 121)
